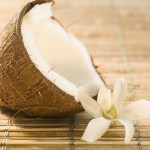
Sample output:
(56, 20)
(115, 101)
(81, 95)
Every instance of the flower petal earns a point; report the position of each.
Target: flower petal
(119, 92)
(104, 98)
(129, 129)
(95, 129)
(90, 105)
(139, 109)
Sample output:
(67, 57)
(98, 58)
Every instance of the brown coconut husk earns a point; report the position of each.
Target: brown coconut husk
(23, 87)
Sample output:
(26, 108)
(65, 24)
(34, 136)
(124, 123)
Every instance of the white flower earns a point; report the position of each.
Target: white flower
(108, 108)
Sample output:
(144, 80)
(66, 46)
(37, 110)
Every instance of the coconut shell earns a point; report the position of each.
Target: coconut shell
(23, 87)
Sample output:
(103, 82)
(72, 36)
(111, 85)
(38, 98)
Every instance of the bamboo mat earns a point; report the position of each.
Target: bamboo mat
(117, 35)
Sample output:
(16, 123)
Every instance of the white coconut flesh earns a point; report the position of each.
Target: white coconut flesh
(58, 54)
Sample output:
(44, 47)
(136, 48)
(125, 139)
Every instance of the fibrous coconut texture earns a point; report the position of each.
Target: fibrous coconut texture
(44, 67)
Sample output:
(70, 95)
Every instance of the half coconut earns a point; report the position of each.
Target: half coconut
(43, 65)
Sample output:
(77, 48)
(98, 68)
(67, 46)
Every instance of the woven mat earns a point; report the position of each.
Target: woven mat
(117, 35)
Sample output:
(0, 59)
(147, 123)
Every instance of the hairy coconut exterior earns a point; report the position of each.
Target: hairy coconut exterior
(23, 87)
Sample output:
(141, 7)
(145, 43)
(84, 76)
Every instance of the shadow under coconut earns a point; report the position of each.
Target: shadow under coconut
(20, 115)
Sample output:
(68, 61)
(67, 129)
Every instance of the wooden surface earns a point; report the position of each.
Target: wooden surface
(117, 35)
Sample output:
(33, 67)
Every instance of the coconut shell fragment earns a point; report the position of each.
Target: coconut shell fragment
(25, 88)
